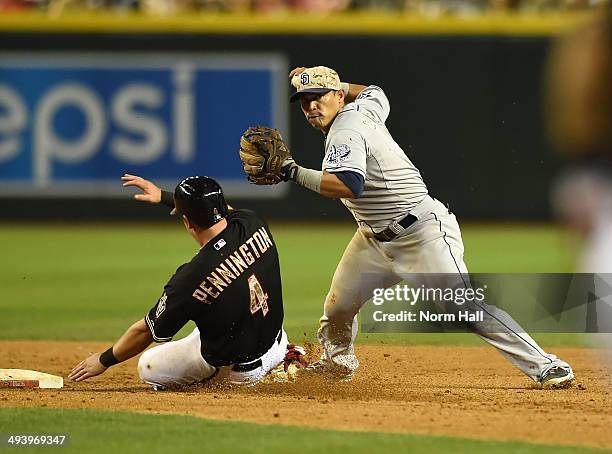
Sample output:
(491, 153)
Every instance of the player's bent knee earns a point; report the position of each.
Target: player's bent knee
(147, 370)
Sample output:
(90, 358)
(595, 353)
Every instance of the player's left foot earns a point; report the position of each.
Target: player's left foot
(557, 377)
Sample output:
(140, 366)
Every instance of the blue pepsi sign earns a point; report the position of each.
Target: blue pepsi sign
(72, 124)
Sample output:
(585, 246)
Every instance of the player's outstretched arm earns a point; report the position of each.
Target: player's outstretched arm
(131, 343)
(267, 160)
(325, 183)
(150, 192)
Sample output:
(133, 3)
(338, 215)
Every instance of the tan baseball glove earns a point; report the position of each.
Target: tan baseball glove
(263, 153)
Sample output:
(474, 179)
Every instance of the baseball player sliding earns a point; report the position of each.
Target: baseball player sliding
(400, 228)
(231, 289)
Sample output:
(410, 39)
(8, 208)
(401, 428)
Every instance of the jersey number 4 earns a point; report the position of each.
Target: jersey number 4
(259, 299)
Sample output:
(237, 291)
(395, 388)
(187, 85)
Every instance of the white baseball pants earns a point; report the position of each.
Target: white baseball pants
(432, 244)
(180, 363)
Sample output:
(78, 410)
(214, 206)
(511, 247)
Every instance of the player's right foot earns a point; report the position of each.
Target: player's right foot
(557, 377)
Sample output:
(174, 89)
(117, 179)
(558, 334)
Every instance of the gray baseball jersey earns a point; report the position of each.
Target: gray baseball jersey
(359, 141)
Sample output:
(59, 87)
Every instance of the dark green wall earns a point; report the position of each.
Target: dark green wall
(465, 109)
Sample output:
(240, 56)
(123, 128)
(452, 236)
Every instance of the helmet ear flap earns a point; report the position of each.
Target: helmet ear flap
(201, 200)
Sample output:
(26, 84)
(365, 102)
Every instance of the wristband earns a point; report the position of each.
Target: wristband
(167, 199)
(107, 359)
(309, 178)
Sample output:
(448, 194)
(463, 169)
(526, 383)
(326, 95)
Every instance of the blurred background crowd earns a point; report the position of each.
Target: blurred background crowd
(424, 7)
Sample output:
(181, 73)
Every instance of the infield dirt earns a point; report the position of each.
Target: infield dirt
(457, 391)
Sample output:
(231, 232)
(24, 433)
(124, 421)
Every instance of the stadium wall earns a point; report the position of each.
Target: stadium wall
(465, 104)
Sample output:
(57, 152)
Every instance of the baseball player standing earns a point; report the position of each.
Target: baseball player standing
(401, 229)
(231, 289)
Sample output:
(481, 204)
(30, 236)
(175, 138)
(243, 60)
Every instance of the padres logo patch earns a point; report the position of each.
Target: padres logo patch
(338, 154)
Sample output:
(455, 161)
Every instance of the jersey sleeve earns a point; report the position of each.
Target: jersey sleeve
(374, 100)
(352, 180)
(172, 311)
(345, 151)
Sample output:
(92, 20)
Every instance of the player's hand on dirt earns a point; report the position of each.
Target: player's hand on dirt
(295, 354)
(89, 367)
(150, 192)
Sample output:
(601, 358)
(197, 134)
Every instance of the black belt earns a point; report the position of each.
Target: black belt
(394, 229)
(248, 367)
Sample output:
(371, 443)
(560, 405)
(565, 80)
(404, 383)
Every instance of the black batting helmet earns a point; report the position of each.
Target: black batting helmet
(201, 200)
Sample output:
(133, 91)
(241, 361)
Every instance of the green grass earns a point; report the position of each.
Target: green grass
(89, 282)
(93, 432)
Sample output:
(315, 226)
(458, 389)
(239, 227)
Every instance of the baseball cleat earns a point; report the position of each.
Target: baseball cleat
(325, 368)
(557, 377)
(157, 387)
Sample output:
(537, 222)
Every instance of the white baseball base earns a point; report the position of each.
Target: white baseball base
(23, 378)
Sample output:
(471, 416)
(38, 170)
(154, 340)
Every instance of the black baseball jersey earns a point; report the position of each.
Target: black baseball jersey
(232, 291)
